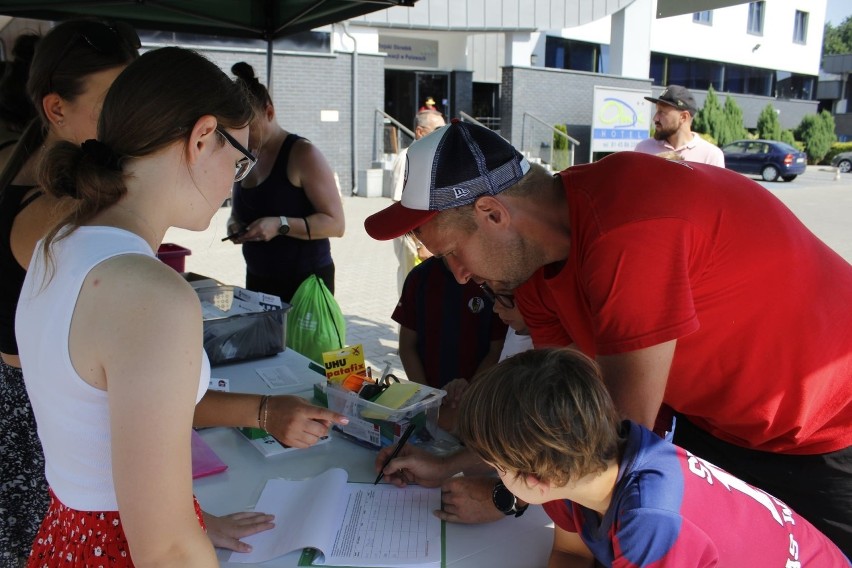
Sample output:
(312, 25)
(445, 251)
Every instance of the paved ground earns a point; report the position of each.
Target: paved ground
(366, 269)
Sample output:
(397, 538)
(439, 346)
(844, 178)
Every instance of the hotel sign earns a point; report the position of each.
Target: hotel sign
(621, 118)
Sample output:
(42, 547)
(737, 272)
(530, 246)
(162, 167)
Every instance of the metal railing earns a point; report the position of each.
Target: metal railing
(538, 140)
(490, 122)
(388, 135)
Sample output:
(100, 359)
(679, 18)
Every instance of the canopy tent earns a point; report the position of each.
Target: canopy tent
(259, 19)
(254, 19)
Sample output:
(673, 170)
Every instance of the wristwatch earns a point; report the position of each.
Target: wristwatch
(285, 226)
(506, 502)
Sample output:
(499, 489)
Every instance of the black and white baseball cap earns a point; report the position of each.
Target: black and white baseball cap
(452, 167)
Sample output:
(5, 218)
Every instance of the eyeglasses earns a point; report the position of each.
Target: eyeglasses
(106, 39)
(243, 165)
(505, 300)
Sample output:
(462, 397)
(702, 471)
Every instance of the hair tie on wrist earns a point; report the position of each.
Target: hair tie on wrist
(101, 154)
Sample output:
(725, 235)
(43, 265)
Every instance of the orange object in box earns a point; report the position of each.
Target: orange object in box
(354, 382)
(173, 255)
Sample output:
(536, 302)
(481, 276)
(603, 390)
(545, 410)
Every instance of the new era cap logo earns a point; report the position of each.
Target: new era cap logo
(459, 192)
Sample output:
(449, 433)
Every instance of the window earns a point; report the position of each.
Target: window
(560, 53)
(704, 17)
(800, 27)
(755, 17)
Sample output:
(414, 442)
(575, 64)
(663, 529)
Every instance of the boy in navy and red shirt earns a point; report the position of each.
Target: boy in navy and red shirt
(618, 493)
(447, 330)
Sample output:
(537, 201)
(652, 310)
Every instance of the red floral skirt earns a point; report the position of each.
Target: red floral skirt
(82, 539)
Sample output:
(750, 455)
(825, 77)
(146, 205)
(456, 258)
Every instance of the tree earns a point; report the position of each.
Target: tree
(837, 40)
(711, 117)
(817, 133)
(561, 149)
(788, 137)
(768, 125)
(732, 125)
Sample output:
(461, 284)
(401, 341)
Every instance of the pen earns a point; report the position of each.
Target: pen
(233, 236)
(405, 436)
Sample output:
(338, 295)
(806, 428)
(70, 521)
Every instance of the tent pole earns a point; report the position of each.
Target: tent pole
(269, 63)
(355, 188)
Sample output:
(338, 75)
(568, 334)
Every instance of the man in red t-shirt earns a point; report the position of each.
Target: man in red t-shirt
(693, 287)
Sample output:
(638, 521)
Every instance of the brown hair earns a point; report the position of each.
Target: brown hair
(61, 62)
(153, 103)
(67, 55)
(545, 413)
(257, 93)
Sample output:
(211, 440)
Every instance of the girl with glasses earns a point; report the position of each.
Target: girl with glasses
(74, 66)
(112, 392)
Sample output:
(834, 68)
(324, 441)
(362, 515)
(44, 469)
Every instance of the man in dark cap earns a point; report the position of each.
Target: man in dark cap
(673, 130)
(693, 287)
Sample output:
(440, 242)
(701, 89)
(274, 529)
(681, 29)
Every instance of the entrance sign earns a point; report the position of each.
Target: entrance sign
(620, 118)
(409, 52)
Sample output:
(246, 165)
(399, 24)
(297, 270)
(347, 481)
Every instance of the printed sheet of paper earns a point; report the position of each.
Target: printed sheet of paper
(387, 526)
(352, 524)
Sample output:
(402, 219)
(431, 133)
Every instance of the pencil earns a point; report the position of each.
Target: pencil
(402, 440)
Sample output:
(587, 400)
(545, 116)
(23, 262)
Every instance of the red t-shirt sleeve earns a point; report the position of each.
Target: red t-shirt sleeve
(560, 513)
(636, 280)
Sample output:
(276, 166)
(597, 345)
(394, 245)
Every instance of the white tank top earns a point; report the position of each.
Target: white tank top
(72, 415)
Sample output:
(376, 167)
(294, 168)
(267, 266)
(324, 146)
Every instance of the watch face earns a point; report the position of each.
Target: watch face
(504, 500)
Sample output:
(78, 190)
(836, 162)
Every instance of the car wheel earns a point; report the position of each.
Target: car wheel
(769, 173)
(789, 178)
(845, 166)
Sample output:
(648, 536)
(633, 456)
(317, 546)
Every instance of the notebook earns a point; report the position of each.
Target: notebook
(349, 524)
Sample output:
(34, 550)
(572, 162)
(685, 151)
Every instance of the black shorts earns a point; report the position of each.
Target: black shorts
(285, 287)
(818, 487)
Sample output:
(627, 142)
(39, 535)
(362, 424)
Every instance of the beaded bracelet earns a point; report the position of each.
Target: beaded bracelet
(263, 411)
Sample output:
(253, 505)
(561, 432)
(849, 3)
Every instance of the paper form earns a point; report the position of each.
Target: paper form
(383, 523)
(352, 524)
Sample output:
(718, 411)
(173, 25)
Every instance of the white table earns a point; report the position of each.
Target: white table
(522, 542)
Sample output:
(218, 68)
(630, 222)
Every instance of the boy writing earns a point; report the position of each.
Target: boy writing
(619, 494)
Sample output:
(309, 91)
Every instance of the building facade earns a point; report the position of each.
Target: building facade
(522, 67)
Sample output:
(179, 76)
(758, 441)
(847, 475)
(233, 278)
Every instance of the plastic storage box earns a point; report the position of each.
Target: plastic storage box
(173, 255)
(242, 336)
(377, 426)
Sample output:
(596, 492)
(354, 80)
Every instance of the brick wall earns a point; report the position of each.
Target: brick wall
(305, 84)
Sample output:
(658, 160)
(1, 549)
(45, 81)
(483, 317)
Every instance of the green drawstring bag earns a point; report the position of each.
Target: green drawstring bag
(315, 323)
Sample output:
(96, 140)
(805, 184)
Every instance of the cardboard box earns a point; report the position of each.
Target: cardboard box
(238, 326)
(376, 426)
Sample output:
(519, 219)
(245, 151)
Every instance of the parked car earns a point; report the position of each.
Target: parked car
(767, 158)
(843, 161)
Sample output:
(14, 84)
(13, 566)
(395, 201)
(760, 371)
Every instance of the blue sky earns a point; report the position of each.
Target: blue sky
(837, 11)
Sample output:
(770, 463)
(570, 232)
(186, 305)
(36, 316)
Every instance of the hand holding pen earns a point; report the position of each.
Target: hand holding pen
(402, 440)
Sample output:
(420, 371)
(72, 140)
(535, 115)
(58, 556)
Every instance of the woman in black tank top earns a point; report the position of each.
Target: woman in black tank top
(288, 206)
